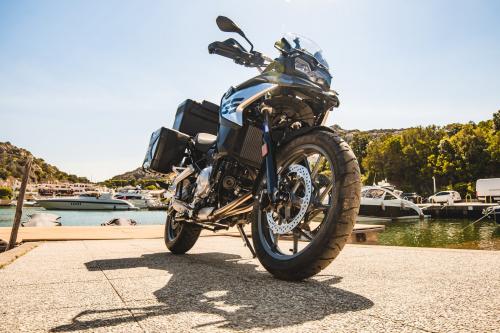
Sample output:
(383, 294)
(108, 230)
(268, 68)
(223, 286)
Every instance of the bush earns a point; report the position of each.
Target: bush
(6, 192)
(464, 189)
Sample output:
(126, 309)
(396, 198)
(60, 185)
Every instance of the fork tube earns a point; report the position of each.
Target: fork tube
(268, 150)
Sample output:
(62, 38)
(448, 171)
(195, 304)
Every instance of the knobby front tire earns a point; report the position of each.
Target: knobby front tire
(337, 223)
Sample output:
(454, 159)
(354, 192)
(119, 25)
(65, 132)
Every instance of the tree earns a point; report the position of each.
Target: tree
(496, 120)
(359, 143)
(456, 154)
(6, 192)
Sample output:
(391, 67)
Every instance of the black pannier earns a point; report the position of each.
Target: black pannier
(193, 118)
(166, 149)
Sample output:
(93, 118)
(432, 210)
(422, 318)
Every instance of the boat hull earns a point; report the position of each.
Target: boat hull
(83, 205)
(388, 212)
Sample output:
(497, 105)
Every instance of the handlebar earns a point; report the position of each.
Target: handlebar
(230, 48)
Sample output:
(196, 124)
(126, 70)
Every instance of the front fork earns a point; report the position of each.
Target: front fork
(270, 162)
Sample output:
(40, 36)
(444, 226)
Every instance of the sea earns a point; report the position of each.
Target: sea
(440, 233)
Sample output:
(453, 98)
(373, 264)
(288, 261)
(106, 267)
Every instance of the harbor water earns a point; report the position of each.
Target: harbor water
(443, 233)
(82, 218)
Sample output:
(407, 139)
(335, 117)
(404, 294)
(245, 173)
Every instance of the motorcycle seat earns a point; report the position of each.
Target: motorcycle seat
(204, 141)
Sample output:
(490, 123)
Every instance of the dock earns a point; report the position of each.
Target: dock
(457, 210)
(136, 285)
(367, 234)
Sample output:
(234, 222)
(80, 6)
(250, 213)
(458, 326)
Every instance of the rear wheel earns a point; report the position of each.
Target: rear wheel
(319, 180)
(179, 236)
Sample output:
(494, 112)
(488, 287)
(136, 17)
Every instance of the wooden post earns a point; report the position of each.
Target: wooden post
(19, 205)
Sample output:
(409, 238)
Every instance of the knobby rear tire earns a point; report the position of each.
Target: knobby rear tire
(331, 239)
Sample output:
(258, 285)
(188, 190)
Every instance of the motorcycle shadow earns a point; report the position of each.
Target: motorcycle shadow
(238, 292)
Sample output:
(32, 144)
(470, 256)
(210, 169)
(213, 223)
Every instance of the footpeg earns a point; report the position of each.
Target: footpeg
(246, 242)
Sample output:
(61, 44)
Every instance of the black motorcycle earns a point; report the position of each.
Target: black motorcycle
(265, 158)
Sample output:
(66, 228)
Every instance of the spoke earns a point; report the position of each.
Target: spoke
(315, 170)
(275, 240)
(287, 212)
(304, 233)
(296, 236)
(317, 207)
(327, 190)
(296, 200)
(306, 163)
(305, 224)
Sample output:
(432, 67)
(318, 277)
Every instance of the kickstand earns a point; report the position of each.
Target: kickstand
(246, 242)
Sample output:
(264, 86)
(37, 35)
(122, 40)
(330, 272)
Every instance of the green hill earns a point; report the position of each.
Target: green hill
(136, 177)
(12, 160)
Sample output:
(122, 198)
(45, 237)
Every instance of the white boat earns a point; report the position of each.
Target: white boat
(137, 198)
(379, 203)
(103, 201)
(26, 203)
(42, 220)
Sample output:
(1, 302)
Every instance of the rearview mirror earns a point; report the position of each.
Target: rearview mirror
(226, 25)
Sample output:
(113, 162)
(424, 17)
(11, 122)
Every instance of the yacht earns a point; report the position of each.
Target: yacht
(100, 201)
(381, 203)
(137, 198)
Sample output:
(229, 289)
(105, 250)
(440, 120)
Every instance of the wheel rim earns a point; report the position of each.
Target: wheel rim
(291, 243)
(174, 227)
(299, 190)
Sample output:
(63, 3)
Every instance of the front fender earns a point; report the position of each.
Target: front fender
(289, 137)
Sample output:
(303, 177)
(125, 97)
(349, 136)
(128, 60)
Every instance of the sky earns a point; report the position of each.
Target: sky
(84, 83)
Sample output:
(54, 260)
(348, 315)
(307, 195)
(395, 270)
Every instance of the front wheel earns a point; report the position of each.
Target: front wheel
(319, 183)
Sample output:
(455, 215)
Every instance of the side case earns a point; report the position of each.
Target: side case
(193, 118)
(166, 149)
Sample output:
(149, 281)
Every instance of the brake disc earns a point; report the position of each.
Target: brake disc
(303, 176)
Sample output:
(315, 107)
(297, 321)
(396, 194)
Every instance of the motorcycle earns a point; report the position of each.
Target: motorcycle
(264, 158)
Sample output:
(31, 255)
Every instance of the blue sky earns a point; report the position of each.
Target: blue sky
(84, 83)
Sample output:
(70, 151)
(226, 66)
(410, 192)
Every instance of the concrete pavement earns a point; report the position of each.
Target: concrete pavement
(135, 286)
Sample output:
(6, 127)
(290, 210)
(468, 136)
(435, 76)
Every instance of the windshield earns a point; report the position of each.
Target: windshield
(305, 44)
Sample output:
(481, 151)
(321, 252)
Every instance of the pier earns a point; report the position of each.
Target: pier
(457, 210)
(367, 234)
(136, 285)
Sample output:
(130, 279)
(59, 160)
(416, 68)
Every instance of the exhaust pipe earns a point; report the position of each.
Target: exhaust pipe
(181, 207)
(230, 206)
(208, 214)
(239, 211)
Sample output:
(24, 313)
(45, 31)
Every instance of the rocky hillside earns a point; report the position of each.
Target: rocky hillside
(372, 134)
(12, 160)
(134, 174)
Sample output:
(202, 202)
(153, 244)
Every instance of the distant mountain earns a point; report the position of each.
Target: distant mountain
(373, 134)
(136, 177)
(134, 174)
(13, 159)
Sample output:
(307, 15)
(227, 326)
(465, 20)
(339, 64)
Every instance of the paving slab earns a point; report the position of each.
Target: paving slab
(136, 285)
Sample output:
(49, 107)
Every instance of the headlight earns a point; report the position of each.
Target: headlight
(315, 76)
(303, 66)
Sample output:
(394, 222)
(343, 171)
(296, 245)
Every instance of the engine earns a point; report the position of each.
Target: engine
(202, 184)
